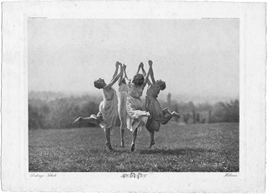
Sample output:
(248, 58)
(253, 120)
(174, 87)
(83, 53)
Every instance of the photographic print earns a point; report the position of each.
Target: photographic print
(133, 95)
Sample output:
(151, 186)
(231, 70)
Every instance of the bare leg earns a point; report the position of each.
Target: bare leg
(168, 115)
(152, 126)
(122, 131)
(134, 136)
(175, 114)
(122, 137)
(79, 119)
(152, 139)
(108, 141)
(92, 119)
(167, 111)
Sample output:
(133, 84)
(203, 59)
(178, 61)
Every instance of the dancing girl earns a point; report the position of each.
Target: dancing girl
(108, 113)
(158, 116)
(136, 117)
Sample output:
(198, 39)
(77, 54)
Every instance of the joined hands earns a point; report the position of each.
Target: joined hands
(150, 63)
(118, 64)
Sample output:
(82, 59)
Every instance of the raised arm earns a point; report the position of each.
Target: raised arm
(116, 69)
(143, 71)
(125, 73)
(140, 65)
(122, 75)
(112, 82)
(151, 72)
(147, 77)
(144, 74)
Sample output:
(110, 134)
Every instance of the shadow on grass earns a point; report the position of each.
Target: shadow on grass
(181, 151)
(107, 151)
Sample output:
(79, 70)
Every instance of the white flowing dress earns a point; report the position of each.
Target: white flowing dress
(108, 108)
(135, 114)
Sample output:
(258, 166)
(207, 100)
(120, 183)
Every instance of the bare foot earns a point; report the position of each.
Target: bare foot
(78, 119)
(152, 143)
(175, 114)
(109, 146)
(122, 144)
(132, 147)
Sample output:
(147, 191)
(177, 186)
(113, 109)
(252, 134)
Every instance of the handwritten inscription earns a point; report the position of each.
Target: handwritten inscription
(36, 175)
(134, 175)
(230, 175)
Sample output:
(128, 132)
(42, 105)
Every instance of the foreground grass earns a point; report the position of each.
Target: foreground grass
(188, 148)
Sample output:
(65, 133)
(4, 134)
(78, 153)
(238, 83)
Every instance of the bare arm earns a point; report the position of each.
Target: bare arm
(116, 78)
(120, 79)
(125, 73)
(151, 72)
(140, 65)
(126, 77)
(144, 74)
(147, 77)
(116, 69)
(122, 75)
(143, 71)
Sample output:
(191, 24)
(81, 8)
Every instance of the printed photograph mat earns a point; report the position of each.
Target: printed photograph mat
(22, 22)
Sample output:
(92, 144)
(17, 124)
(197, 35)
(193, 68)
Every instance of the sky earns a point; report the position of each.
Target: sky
(195, 57)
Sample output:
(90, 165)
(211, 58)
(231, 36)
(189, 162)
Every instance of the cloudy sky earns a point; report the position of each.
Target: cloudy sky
(197, 57)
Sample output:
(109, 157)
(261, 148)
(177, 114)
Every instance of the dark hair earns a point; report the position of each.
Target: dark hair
(161, 84)
(138, 79)
(97, 83)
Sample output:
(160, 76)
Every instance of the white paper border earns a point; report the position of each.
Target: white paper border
(15, 176)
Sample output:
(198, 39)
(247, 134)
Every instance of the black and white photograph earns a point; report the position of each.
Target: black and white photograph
(133, 96)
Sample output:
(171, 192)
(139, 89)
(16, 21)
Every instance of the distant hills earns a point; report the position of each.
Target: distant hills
(201, 99)
(51, 95)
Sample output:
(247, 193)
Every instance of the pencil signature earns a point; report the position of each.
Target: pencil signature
(37, 175)
(230, 175)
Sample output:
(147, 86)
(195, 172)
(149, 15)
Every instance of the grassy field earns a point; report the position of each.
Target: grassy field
(179, 148)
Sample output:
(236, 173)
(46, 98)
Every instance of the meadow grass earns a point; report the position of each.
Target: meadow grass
(179, 148)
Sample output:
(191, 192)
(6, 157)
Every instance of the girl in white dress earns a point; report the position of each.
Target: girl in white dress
(107, 115)
(136, 116)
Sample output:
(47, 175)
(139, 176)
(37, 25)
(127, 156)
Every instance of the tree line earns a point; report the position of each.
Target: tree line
(59, 112)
